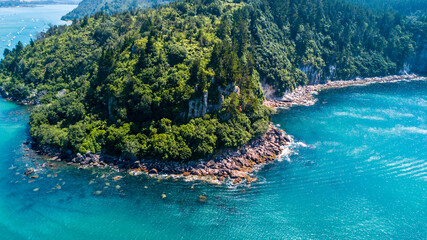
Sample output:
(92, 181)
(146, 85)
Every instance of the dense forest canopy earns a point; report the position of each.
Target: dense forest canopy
(404, 7)
(183, 80)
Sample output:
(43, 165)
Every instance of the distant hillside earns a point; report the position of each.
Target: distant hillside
(90, 7)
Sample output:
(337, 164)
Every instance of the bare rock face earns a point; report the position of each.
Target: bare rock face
(314, 76)
(198, 107)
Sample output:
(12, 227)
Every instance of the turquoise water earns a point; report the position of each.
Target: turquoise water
(363, 175)
(22, 24)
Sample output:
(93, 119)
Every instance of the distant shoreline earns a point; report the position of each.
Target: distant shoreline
(33, 4)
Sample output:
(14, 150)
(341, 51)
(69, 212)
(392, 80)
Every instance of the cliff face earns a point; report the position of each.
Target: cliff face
(418, 62)
(199, 107)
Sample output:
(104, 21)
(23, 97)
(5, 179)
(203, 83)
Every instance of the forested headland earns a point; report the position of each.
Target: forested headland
(183, 80)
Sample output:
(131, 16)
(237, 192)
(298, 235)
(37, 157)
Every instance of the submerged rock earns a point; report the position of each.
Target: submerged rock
(202, 199)
(116, 178)
(29, 171)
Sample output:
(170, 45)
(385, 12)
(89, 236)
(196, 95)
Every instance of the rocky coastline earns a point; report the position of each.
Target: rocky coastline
(231, 166)
(8, 97)
(304, 95)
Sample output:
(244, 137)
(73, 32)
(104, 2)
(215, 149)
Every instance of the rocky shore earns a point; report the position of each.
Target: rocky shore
(304, 95)
(232, 166)
(8, 97)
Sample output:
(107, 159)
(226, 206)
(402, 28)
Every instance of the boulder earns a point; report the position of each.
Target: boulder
(202, 199)
(237, 174)
(29, 171)
(210, 163)
(116, 178)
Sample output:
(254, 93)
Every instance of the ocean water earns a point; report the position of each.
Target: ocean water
(361, 175)
(23, 23)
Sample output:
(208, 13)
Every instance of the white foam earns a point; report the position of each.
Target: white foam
(359, 116)
(373, 158)
(395, 114)
(399, 129)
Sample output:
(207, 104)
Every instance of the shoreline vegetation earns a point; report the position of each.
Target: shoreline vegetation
(231, 166)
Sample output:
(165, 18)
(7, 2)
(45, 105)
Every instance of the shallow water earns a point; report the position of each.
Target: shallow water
(362, 176)
(23, 23)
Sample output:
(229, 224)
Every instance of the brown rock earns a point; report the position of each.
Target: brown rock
(204, 172)
(237, 181)
(196, 172)
(202, 199)
(29, 171)
(237, 174)
(210, 163)
(250, 179)
(116, 178)
(186, 173)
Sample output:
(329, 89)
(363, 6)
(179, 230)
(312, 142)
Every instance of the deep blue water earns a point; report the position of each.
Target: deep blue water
(367, 179)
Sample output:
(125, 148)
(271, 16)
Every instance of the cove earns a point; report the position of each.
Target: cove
(362, 175)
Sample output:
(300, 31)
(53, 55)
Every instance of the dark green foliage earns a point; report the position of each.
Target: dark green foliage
(405, 7)
(183, 80)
